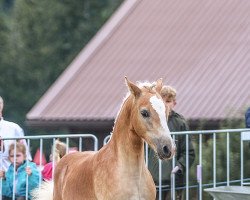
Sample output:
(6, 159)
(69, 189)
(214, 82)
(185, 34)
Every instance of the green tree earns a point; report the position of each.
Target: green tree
(4, 50)
(43, 38)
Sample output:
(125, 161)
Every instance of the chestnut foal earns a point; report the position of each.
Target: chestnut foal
(118, 170)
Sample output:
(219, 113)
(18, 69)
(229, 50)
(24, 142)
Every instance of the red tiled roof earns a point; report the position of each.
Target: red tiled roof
(202, 48)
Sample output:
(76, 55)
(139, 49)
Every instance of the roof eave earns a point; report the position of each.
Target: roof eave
(77, 125)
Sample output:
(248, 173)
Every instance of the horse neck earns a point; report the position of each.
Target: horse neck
(124, 138)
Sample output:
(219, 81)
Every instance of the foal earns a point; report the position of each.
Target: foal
(118, 171)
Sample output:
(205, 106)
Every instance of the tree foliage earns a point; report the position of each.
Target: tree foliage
(38, 40)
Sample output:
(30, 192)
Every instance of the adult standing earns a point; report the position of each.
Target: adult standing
(8, 130)
(176, 123)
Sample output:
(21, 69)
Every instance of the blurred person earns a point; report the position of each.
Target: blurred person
(20, 168)
(176, 123)
(60, 150)
(247, 118)
(8, 130)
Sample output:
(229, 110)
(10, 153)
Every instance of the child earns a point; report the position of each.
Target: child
(60, 151)
(22, 169)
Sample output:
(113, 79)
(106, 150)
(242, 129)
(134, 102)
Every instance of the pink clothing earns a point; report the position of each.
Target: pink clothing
(37, 160)
(47, 171)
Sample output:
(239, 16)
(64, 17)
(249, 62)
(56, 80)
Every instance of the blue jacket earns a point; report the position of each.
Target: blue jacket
(33, 180)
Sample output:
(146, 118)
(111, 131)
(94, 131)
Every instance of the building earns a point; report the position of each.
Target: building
(202, 48)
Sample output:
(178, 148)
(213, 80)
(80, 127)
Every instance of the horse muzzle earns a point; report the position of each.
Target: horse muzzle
(166, 150)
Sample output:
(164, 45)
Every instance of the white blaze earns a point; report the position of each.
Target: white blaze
(160, 108)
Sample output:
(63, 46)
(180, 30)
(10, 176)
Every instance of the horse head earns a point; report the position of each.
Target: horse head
(149, 120)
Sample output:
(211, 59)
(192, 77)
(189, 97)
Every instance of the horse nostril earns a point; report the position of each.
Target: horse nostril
(166, 150)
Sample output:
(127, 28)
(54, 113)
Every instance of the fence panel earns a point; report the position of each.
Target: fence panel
(219, 156)
(220, 159)
(75, 141)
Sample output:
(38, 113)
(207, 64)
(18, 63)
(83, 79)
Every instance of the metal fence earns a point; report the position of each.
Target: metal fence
(221, 158)
(45, 144)
(219, 161)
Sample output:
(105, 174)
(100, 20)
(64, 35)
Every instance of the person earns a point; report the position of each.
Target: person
(20, 167)
(60, 151)
(176, 123)
(247, 118)
(8, 130)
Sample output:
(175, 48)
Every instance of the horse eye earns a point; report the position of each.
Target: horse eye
(145, 113)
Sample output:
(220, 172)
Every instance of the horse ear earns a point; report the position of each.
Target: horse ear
(135, 90)
(159, 85)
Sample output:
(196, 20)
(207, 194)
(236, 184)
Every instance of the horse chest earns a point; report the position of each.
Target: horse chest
(132, 194)
(133, 188)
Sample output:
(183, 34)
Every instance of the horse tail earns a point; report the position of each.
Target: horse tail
(44, 192)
